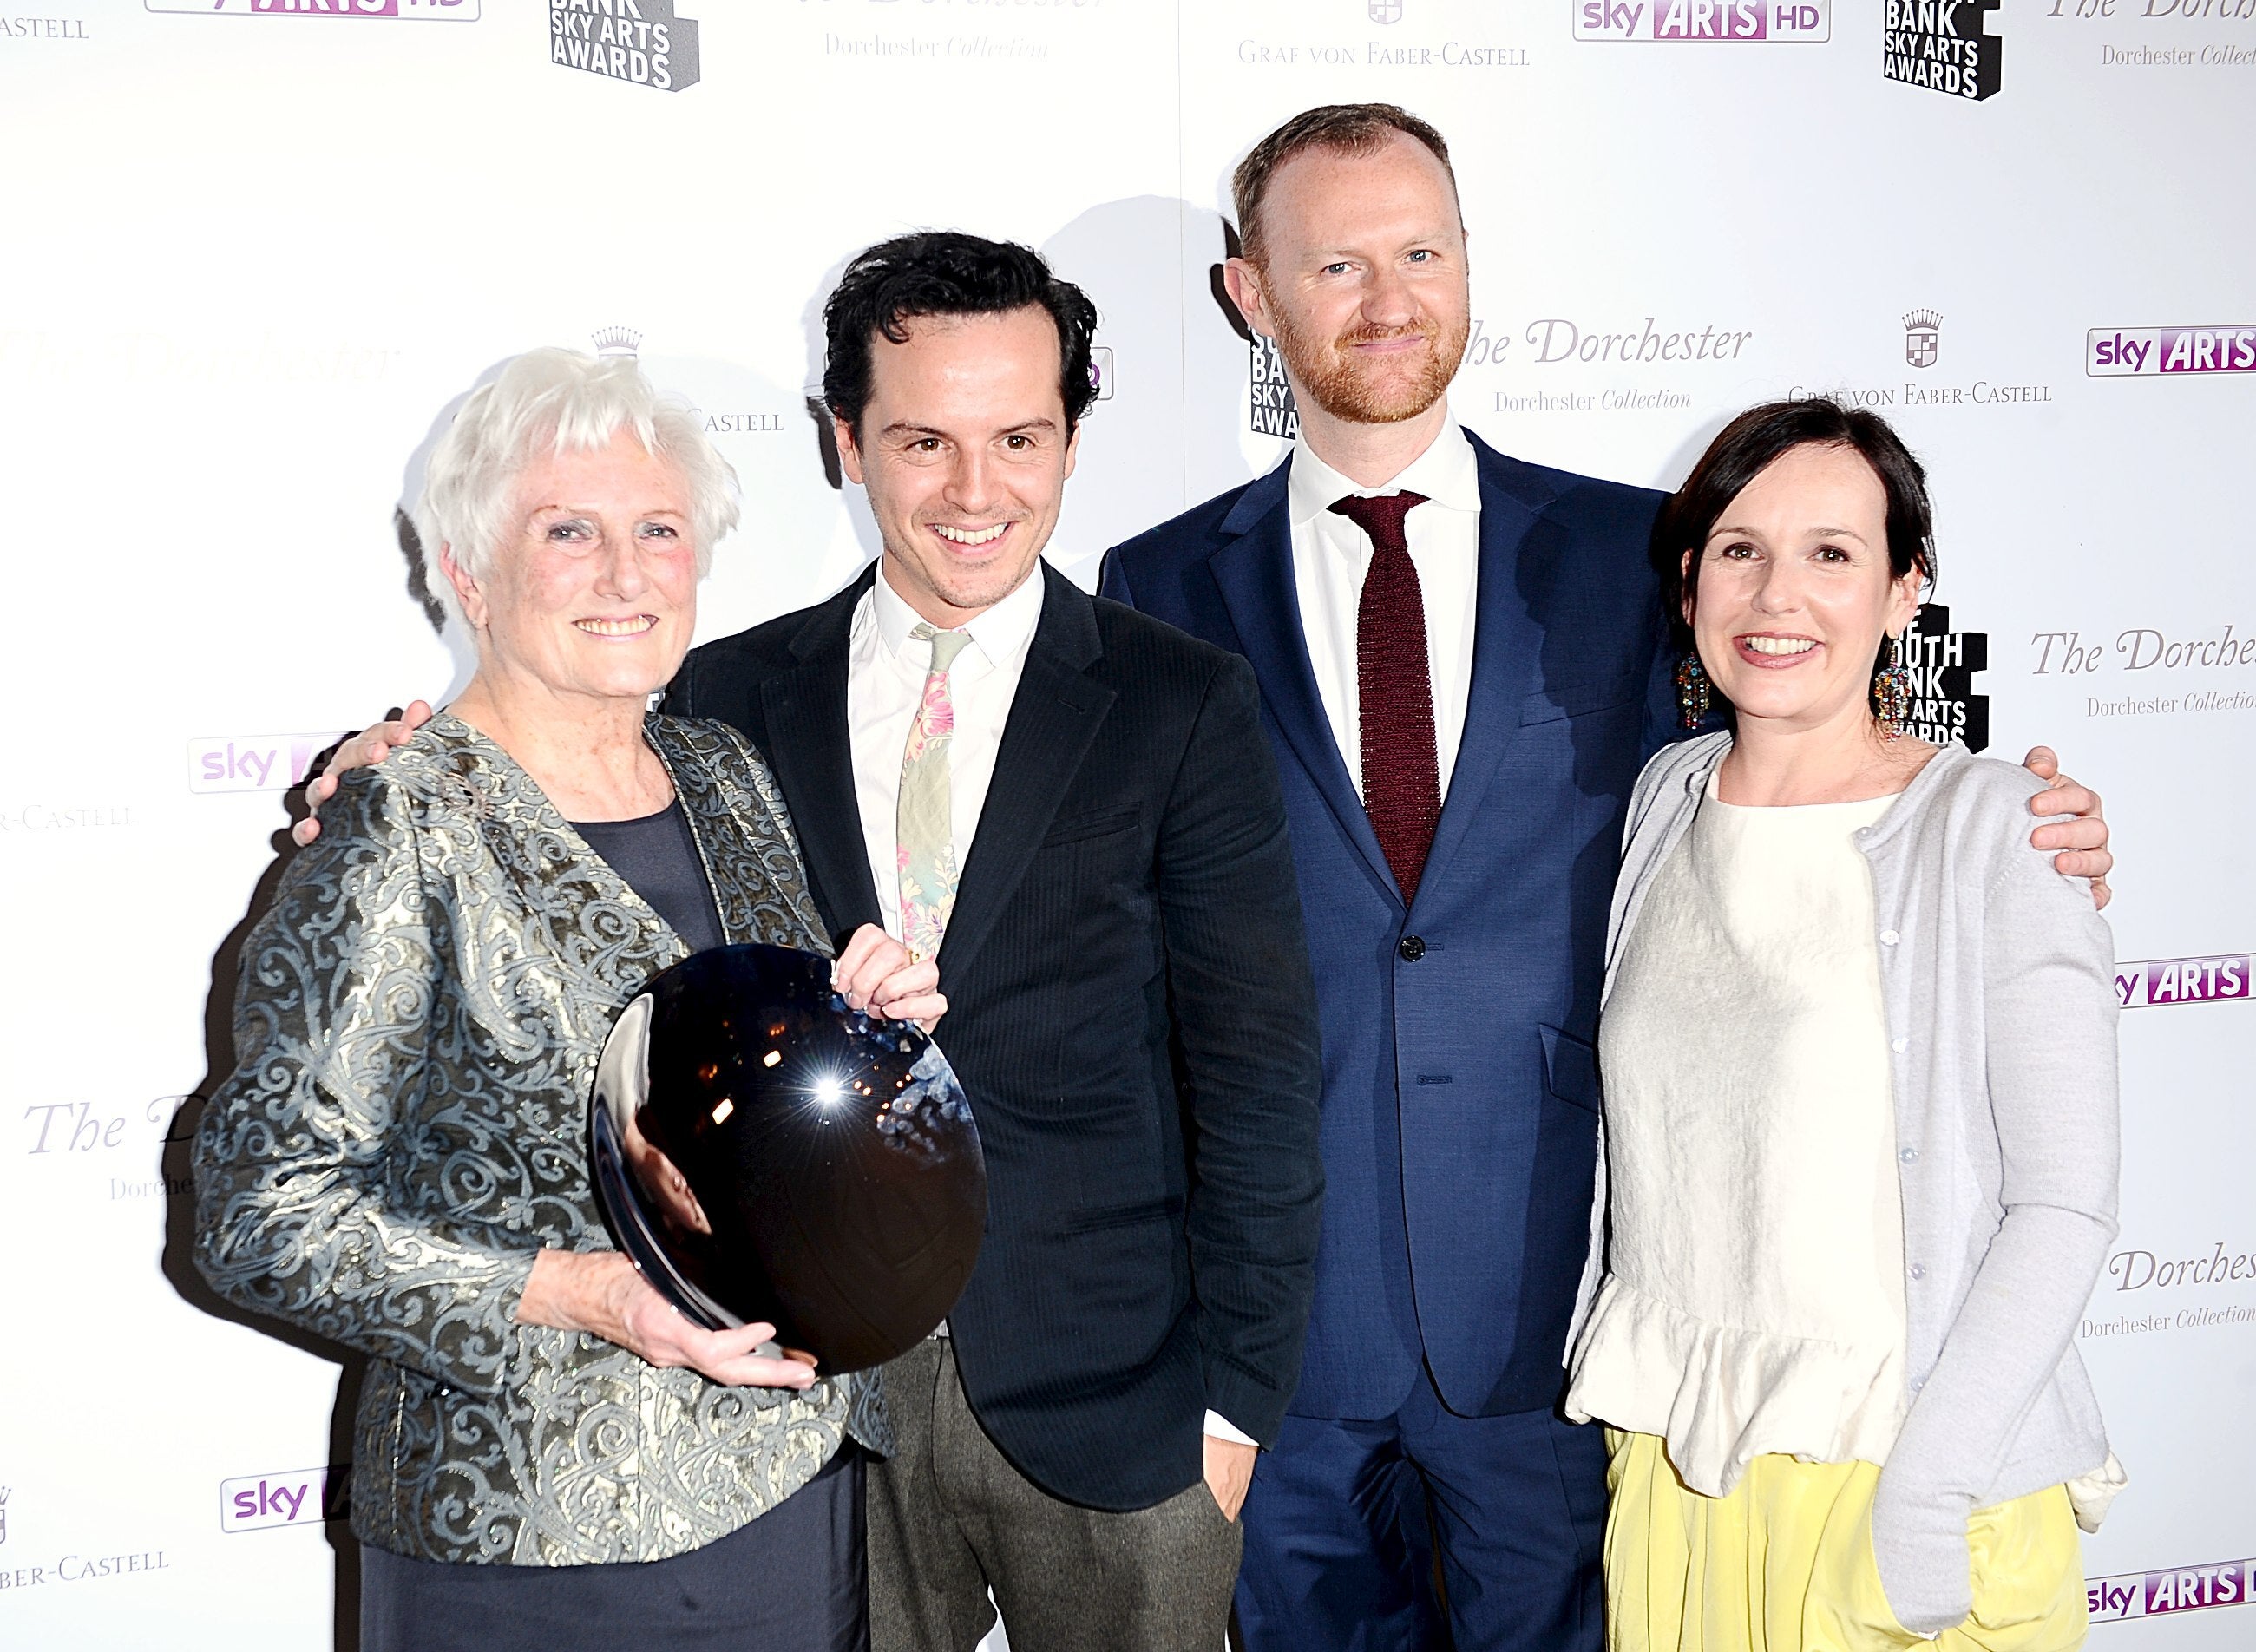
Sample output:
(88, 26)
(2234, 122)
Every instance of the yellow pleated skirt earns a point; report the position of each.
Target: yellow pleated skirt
(1784, 1563)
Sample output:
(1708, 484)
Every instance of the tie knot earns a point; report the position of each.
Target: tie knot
(946, 644)
(1380, 516)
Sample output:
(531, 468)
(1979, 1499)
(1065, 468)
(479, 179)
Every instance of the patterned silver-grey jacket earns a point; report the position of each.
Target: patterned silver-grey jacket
(416, 1029)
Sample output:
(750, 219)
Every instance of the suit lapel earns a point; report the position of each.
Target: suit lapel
(1053, 718)
(809, 745)
(1506, 643)
(1254, 571)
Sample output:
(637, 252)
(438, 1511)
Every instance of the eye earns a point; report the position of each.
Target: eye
(1423, 255)
(1736, 551)
(1341, 268)
(657, 531)
(565, 532)
(1833, 554)
(1018, 441)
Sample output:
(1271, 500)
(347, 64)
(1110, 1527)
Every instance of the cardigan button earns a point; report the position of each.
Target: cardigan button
(1909, 1155)
(1889, 937)
(1919, 1270)
(1900, 1045)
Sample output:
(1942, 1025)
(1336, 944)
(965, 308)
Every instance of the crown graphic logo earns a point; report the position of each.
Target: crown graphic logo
(1921, 321)
(616, 340)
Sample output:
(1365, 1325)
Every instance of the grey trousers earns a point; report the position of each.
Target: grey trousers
(950, 1518)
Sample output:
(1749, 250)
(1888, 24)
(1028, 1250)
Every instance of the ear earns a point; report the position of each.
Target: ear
(850, 455)
(1903, 601)
(466, 588)
(1689, 582)
(1072, 453)
(1244, 283)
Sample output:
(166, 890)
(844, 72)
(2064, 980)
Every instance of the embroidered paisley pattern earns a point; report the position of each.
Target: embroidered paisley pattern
(417, 1025)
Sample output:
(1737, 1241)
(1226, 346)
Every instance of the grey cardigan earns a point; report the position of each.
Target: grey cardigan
(1997, 976)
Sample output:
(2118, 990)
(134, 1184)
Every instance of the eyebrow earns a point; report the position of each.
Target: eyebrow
(1756, 533)
(903, 427)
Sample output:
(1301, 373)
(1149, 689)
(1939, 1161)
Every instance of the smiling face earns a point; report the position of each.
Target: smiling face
(1793, 592)
(1362, 279)
(965, 453)
(593, 590)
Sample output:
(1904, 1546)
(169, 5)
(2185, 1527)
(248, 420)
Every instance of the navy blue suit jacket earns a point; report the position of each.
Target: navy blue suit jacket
(1460, 1086)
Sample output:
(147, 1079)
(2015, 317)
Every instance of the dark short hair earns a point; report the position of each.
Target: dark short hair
(1746, 448)
(1345, 129)
(946, 273)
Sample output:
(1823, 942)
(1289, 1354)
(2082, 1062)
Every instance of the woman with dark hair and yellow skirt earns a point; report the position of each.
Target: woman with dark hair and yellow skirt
(1860, 1158)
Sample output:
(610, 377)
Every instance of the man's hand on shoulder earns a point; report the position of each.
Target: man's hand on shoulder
(2077, 828)
(371, 745)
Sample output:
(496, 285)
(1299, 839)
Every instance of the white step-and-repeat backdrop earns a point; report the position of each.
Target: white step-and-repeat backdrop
(255, 248)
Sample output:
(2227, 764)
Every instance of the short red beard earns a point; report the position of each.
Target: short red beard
(1355, 392)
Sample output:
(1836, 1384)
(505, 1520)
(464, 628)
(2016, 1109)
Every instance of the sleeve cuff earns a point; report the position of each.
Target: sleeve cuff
(1222, 1428)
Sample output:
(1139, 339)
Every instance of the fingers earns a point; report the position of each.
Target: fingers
(2094, 864)
(912, 980)
(2043, 761)
(925, 1009)
(2064, 797)
(2077, 831)
(872, 967)
(727, 1357)
(418, 714)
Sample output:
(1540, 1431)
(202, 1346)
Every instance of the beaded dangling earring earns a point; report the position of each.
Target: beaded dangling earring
(1892, 694)
(1691, 690)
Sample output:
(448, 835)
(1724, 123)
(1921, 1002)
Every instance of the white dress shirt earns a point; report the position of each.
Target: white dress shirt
(1332, 554)
(885, 669)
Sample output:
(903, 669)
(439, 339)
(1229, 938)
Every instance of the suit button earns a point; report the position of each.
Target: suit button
(1411, 948)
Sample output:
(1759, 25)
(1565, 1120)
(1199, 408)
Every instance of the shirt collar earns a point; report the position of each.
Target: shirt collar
(1446, 473)
(1000, 633)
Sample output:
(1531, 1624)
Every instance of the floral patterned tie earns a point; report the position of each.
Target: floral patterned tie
(923, 822)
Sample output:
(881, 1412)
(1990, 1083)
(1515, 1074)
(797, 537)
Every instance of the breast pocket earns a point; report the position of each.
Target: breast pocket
(1557, 701)
(1092, 825)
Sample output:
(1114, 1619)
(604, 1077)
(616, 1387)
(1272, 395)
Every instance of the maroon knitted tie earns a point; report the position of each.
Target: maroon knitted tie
(1401, 774)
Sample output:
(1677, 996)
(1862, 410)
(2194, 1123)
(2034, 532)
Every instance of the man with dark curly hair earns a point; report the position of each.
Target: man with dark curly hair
(1069, 804)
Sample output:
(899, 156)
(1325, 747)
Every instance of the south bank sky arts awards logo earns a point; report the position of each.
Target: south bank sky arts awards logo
(641, 42)
(1943, 662)
(1753, 22)
(1942, 45)
(413, 10)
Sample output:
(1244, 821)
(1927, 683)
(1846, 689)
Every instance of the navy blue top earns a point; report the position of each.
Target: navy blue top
(657, 857)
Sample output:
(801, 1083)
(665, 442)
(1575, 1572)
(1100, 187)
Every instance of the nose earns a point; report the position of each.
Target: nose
(1388, 300)
(621, 573)
(972, 485)
(1780, 587)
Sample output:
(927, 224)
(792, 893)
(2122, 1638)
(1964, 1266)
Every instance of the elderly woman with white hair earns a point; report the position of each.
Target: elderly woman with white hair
(546, 1454)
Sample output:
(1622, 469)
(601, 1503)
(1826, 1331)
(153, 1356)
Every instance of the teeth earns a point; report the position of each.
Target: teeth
(1779, 645)
(967, 536)
(634, 627)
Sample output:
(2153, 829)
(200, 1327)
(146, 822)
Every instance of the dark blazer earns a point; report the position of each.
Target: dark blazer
(1460, 1069)
(1131, 1013)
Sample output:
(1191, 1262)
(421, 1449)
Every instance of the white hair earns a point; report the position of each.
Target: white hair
(563, 401)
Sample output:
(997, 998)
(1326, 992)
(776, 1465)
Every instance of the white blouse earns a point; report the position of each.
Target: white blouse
(1754, 1296)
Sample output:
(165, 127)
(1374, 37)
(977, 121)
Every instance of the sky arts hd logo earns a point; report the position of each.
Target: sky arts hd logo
(1727, 20)
(422, 10)
(253, 762)
(2145, 352)
(300, 1497)
(1940, 45)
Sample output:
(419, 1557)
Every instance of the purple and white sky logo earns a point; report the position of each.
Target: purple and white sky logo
(2153, 1594)
(253, 762)
(1755, 22)
(2145, 352)
(295, 1497)
(2146, 984)
(419, 10)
